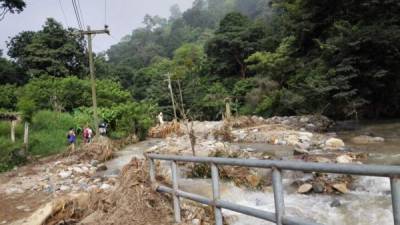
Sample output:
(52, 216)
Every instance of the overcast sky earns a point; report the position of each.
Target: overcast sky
(122, 17)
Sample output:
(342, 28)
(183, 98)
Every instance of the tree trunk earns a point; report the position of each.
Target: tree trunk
(242, 67)
(228, 113)
(13, 122)
(26, 135)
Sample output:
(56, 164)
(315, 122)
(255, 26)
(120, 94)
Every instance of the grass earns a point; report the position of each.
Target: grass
(48, 134)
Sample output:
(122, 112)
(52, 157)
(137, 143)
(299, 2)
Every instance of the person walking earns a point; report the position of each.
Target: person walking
(71, 136)
(89, 135)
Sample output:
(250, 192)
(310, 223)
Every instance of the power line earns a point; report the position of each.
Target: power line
(81, 13)
(78, 19)
(63, 12)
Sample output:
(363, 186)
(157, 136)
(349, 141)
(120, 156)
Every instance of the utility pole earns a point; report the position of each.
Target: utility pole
(89, 33)
(172, 95)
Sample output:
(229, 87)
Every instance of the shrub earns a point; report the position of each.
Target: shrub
(10, 154)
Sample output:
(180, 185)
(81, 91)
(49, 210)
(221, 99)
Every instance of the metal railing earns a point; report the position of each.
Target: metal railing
(278, 217)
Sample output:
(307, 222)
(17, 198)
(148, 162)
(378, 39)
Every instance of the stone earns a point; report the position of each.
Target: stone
(318, 187)
(77, 170)
(101, 167)
(341, 187)
(304, 188)
(219, 146)
(311, 127)
(105, 187)
(365, 139)
(334, 144)
(335, 203)
(13, 190)
(344, 159)
(65, 174)
(304, 119)
(94, 162)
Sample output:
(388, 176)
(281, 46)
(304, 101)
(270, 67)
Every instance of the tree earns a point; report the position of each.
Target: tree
(11, 6)
(11, 73)
(8, 98)
(236, 39)
(51, 51)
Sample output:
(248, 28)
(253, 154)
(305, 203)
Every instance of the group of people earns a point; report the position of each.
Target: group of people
(87, 135)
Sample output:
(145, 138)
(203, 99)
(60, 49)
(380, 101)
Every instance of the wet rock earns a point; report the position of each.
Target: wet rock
(335, 203)
(365, 139)
(305, 188)
(65, 174)
(344, 159)
(94, 162)
(341, 187)
(318, 187)
(101, 167)
(334, 144)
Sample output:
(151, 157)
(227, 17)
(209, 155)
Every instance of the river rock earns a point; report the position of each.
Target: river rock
(344, 159)
(335, 203)
(365, 139)
(101, 167)
(318, 187)
(94, 162)
(334, 144)
(105, 187)
(78, 170)
(65, 174)
(219, 146)
(305, 188)
(341, 187)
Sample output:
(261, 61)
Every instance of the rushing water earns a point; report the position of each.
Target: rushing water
(387, 152)
(369, 203)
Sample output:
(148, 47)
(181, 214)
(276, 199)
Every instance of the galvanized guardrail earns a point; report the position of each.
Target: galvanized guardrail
(278, 217)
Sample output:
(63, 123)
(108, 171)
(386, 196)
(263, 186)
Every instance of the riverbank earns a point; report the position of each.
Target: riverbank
(308, 195)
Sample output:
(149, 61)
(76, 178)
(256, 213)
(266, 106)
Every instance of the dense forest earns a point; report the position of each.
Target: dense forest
(281, 57)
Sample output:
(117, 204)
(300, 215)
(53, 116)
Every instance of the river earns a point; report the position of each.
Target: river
(369, 203)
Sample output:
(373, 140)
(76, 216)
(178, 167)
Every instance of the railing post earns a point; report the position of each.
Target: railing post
(177, 208)
(216, 193)
(395, 188)
(278, 195)
(152, 171)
